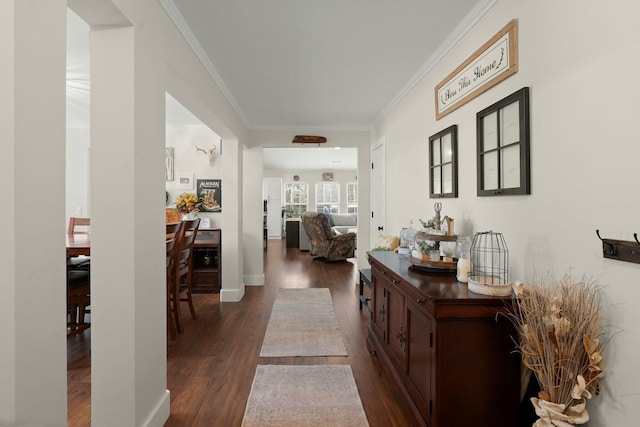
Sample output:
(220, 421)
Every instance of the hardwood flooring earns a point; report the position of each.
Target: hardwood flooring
(210, 368)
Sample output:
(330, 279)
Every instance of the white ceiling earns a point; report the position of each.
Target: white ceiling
(330, 64)
(300, 64)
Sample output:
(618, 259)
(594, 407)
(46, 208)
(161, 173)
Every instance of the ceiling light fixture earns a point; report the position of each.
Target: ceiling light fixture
(309, 139)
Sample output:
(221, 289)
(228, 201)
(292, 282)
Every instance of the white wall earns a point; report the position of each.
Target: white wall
(77, 199)
(190, 161)
(579, 61)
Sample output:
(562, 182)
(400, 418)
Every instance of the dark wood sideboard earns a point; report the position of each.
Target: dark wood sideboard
(207, 250)
(449, 351)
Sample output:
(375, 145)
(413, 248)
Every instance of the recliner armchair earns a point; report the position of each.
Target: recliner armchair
(322, 243)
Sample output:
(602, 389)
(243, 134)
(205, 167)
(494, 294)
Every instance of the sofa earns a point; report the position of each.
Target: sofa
(343, 223)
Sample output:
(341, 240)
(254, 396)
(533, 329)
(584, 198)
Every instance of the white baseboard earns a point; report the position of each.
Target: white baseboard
(231, 295)
(254, 280)
(160, 414)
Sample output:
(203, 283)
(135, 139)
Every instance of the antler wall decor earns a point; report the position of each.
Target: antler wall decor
(209, 152)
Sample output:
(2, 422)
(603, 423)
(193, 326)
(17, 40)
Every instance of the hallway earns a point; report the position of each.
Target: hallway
(210, 367)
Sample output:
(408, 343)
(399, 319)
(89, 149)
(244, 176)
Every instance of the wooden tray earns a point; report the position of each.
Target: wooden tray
(434, 266)
(435, 237)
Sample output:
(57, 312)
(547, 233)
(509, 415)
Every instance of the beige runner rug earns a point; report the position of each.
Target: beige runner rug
(303, 323)
(304, 395)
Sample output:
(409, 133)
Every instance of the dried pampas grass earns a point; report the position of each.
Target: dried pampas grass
(560, 332)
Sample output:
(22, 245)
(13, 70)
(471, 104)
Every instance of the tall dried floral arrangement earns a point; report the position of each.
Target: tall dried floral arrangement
(560, 332)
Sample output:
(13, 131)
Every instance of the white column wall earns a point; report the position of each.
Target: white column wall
(127, 200)
(252, 237)
(32, 183)
(232, 289)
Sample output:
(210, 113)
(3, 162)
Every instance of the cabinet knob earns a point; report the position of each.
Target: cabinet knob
(420, 301)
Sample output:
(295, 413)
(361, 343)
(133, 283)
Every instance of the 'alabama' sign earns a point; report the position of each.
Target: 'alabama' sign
(496, 60)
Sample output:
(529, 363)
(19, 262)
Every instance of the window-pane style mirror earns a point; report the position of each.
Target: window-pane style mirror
(443, 163)
(502, 131)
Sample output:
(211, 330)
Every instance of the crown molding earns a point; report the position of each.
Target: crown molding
(478, 11)
(179, 21)
(302, 129)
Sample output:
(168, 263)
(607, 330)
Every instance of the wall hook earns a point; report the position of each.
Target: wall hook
(635, 236)
(613, 249)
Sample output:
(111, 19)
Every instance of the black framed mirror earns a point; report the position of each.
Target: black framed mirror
(443, 163)
(503, 146)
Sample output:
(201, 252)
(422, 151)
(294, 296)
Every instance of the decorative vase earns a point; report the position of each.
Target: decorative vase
(556, 414)
(188, 216)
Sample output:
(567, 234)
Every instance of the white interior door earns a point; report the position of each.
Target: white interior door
(272, 190)
(378, 191)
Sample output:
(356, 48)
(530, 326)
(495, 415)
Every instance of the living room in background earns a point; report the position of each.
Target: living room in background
(352, 197)
(328, 197)
(296, 198)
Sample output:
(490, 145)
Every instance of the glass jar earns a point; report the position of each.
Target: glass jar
(463, 252)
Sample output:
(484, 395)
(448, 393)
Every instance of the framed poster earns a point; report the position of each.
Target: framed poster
(210, 192)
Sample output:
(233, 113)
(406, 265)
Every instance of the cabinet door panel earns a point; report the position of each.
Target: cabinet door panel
(417, 376)
(395, 327)
(378, 304)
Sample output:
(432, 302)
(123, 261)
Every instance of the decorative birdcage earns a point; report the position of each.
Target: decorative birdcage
(489, 264)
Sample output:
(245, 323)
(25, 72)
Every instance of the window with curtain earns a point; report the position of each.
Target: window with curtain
(328, 196)
(352, 197)
(296, 196)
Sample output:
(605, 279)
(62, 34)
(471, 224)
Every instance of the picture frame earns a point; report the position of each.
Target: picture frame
(168, 164)
(210, 193)
(184, 181)
(443, 163)
(492, 63)
(503, 146)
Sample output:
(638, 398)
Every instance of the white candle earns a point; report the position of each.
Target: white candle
(464, 268)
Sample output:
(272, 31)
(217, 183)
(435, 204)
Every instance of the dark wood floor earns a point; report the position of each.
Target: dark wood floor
(211, 366)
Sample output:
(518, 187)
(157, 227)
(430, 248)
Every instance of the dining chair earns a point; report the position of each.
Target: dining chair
(78, 301)
(79, 226)
(182, 259)
(171, 327)
(78, 282)
(173, 231)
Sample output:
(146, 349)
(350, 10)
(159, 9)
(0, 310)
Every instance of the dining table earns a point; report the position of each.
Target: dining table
(78, 244)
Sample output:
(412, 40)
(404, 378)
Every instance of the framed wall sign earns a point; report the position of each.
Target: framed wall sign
(185, 181)
(210, 192)
(502, 132)
(496, 60)
(443, 163)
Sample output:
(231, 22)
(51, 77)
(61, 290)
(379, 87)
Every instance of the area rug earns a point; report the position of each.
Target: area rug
(303, 323)
(304, 395)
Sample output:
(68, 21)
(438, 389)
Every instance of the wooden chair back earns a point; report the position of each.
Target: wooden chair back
(173, 230)
(79, 225)
(171, 243)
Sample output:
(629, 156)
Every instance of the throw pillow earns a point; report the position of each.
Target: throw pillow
(389, 242)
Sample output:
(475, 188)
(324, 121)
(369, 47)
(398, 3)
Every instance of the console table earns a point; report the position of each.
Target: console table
(206, 275)
(449, 351)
